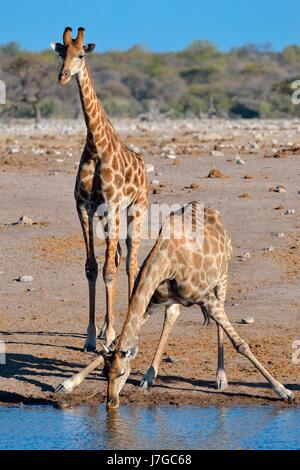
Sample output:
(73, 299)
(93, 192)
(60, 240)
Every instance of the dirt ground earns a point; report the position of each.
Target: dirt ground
(43, 323)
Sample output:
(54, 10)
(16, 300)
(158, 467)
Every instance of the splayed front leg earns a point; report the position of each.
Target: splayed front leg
(68, 385)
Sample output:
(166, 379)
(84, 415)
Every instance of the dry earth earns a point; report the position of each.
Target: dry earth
(43, 323)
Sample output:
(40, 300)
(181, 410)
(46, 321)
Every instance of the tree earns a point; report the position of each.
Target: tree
(32, 81)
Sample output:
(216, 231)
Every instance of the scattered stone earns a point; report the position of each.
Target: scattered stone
(169, 360)
(216, 173)
(239, 161)
(150, 168)
(24, 220)
(155, 182)
(193, 186)
(247, 321)
(271, 249)
(25, 279)
(279, 208)
(278, 235)
(59, 160)
(289, 212)
(245, 257)
(216, 153)
(254, 146)
(280, 189)
(12, 150)
(245, 196)
(171, 157)
(247, 177)
(156, 191)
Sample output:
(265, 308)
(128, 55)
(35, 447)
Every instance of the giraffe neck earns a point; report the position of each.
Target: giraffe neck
(101, 136)
(153, 273)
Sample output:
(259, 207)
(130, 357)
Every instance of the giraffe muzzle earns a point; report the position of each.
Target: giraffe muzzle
(64, 77)
(112, 404)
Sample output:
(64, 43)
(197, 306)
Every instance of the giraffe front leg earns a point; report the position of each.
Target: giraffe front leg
(171, 315)
(217, 312)
(91, 270)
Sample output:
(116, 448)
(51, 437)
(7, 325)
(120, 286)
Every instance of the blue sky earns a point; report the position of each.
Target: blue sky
(160, 25)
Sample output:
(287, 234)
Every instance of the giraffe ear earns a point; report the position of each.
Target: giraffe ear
(89, 48)
(131, 353)
(57, 47)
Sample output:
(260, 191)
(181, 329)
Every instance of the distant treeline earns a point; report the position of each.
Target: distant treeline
(248, 82)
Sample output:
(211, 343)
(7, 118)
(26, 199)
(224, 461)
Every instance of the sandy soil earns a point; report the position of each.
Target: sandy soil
(43, 323)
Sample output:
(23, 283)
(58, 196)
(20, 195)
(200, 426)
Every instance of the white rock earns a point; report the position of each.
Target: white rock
(289, 212)
(245, 257)
(24, 220)
(155, 182)
(280, 189)
(216, 153)
(239, 161)
(247, 321)
(12, 150)
(171, 157)
(59, 160)
(271, 249)
(25, 279)
(150, 168)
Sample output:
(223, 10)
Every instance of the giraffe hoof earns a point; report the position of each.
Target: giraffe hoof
(145, 384)
(286, 395)
(221, 382)
(90, 345)
(107, 337)
(89, 348)
(65, 387)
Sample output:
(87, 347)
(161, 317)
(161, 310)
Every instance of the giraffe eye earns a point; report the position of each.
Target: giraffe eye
(121, 373)
(81, 56)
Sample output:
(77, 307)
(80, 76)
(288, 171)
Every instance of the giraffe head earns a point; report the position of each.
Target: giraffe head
(116, 370)
(72, 52)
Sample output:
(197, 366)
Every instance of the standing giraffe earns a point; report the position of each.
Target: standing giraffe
(183, 268)
(110, 177)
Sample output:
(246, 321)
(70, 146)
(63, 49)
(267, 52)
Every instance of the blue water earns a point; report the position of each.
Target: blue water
(164, 427)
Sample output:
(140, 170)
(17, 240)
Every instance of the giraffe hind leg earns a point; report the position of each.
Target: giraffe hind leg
(221, 379)
(216, 310)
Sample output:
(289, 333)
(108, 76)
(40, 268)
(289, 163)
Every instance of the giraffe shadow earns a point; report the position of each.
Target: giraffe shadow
(165, 382)
(42, 334)
(30, 369)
